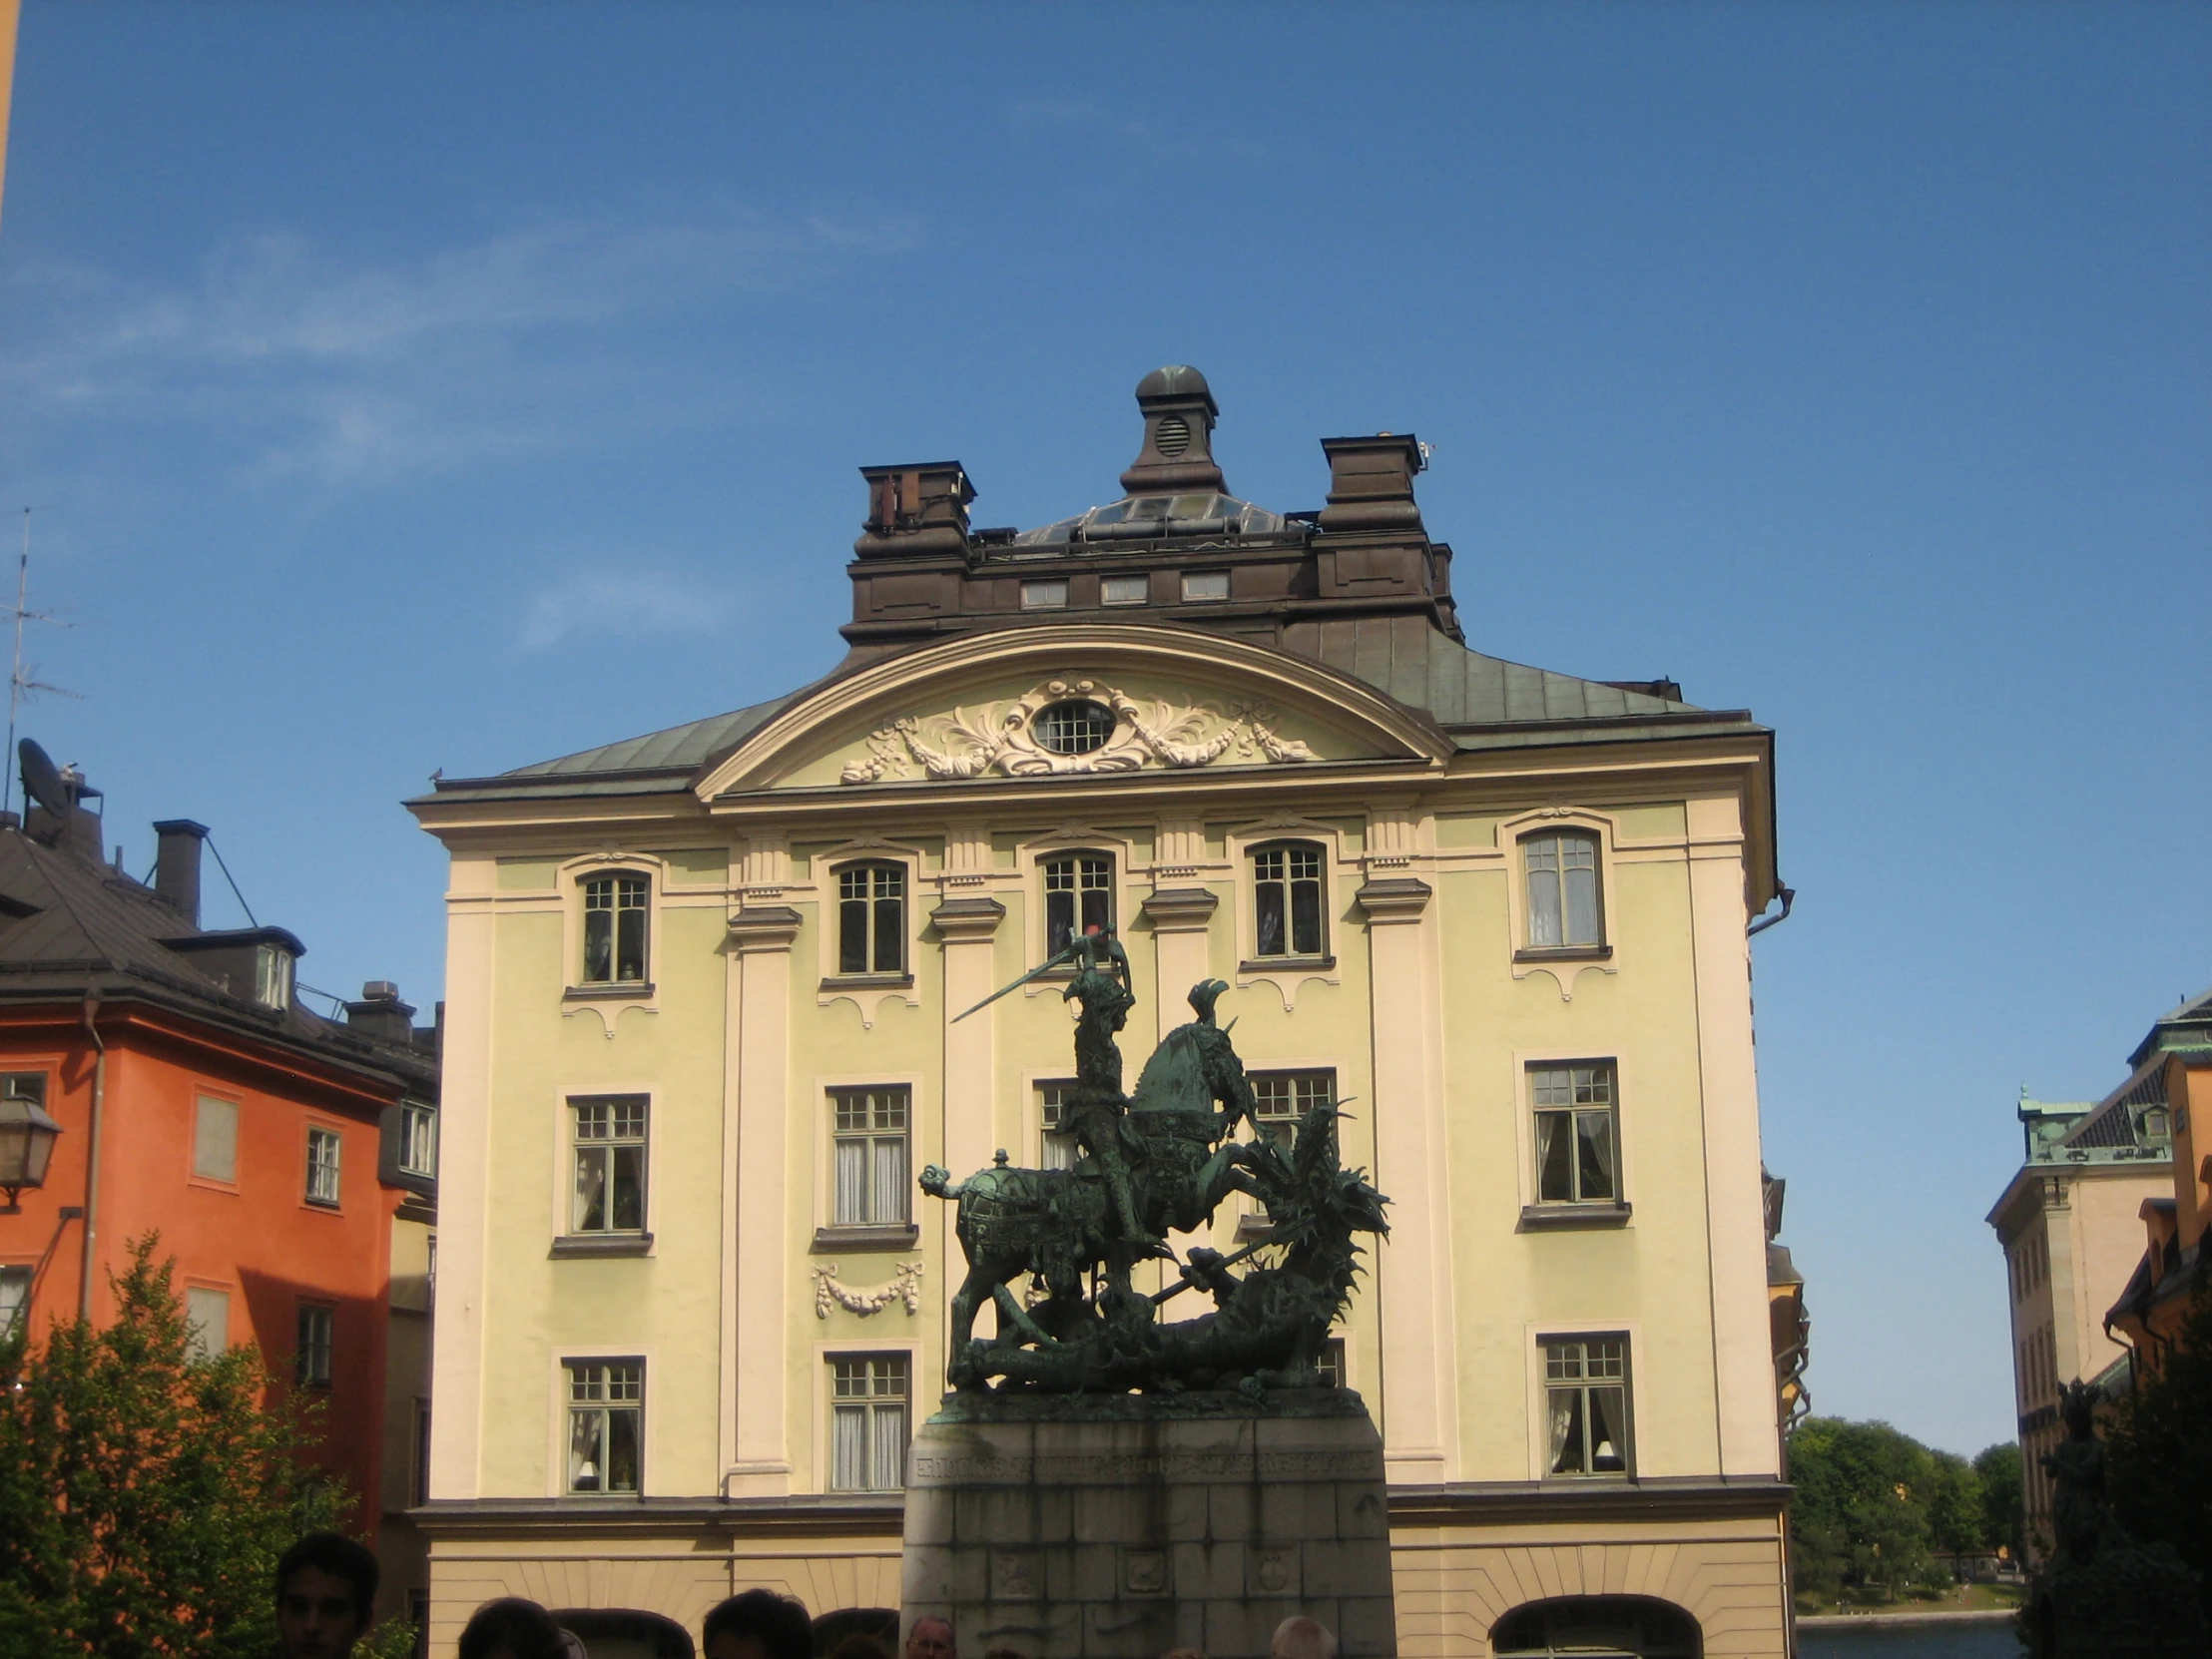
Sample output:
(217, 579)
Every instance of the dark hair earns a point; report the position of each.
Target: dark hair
(861, 1646)
(778, 1622)
(340, 1557)
(519, 1626)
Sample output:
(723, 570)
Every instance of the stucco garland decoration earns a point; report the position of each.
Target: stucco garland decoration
(906, 1285)
(1001, 737)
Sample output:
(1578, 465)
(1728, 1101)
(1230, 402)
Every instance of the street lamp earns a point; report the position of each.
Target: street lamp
(26, 1145)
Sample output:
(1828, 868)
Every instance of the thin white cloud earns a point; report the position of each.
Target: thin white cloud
(634, 605)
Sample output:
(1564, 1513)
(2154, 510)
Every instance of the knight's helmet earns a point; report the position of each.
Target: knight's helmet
(1204, 995)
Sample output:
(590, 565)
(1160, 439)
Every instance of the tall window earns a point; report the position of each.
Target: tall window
(1329, 1363)
(1577, 1134)
(1057, 1133)
(871, 1154)
(273, 968)
(610, 1164)
(1561, 869)
(1586, 1396)
(15, 1296)
(1078, 895)
(418, 1138)
(1286, 896)
(1286, 1097)
(312, 1362)
(871, 918)
(868, 1426)
(206, 1321)
(614, 929)
(323, 1148)
(606, 1424)
(214, 1139)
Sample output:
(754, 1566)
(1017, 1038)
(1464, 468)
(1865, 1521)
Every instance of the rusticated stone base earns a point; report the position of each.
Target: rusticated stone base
(1075, 1529)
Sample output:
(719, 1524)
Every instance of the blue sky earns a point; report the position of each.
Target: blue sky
(455, 387)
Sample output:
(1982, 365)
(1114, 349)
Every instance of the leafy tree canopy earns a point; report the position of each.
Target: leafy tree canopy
(1874, 1508)
(2158, 1445)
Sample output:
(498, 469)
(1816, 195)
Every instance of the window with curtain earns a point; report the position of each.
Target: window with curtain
(1561, 867)
(867, 1423)
(1078, 895)
(1285, 1097)
(1586, 1405)
(606, 1424)
(206, 1321)
(1578, 1133)
(609, 1149)
(15, 1296)
(214, 1139)
(1058, 1136)
(614, 929)
(871, 918)
(323, 1149)
(869, 1150)
(1286, 900)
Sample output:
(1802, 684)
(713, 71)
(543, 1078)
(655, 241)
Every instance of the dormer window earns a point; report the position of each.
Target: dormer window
(272, 969)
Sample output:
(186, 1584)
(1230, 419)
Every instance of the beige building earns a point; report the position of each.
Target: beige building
(700, 1040)
(2070, 1223)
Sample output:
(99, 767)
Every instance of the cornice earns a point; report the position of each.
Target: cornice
(1557, 1502)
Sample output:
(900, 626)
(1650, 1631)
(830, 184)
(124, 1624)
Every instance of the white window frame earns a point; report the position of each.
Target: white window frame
(18, 1279)
(838, 1101)
(418, 1125)
(1044, 593)
(1198, 587)
(322, 1134)
(1301, 1104)
(273, 975)
(1051, 1144)
(569, 1225)
(1141, 595)
(860, 1352)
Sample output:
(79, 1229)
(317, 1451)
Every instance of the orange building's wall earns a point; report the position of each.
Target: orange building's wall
(257, 1239)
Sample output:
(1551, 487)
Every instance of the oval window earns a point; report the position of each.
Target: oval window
(1075, 727)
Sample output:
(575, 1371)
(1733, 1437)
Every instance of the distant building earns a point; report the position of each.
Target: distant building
(2069, 1223)
(281, 1156)
(701, 1038)
(2170, 1079)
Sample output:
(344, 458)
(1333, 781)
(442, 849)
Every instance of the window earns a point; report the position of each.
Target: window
(614, 929)
(1044, 596)
(207, 1321)
(418, 1138)
(1329, 1363)
(871, 1157)
(1124, 589)
(610, 1164)
(24, 1085)
(606, 1410)
(1286, 1097)
(1286, 893)
(2156, 1124)
(1205, 586)
(867, 1428)
(1586, 1394)
(214, 1139)
(273, 976)
(1576, 1134)
(15, 1297)
(419, 1464)
(871, 918)
(1059, 1139)
(1562, 890)
(1078, 895)
(323, 1147)
(313, 1364)
(1075, 727)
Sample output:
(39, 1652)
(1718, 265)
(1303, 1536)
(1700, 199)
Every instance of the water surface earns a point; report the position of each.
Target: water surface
(1977, 1640)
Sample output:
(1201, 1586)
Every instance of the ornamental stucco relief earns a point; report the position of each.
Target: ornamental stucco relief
(831, 1292)
(1002, 738)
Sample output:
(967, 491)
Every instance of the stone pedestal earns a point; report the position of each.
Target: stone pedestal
(1119, 1526)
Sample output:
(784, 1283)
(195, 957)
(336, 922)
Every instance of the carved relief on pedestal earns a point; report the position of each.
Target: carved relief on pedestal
(1125, 733)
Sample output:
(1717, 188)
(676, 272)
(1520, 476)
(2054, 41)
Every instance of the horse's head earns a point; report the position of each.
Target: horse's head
(935, 1179)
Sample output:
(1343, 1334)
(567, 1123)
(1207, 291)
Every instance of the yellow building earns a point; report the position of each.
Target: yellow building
(699, 1040)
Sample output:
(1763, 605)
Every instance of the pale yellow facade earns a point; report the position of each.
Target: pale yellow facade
(1426, 1003)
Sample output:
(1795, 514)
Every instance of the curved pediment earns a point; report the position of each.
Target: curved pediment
(1013, 705)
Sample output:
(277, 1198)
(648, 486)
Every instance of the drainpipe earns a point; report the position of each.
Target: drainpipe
(1788, 896)
(92, 1156)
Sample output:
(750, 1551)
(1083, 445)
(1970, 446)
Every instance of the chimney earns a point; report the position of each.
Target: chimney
(1371, 483)
(177, 864)
(382, 1015)
(1178, 448)
(920, 507)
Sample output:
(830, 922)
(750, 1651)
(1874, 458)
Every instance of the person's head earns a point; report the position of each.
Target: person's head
(1302, 1638)
(512, 1628)
(326, 1596)
(759, 1624)
(932, 1638)
(1182, 1653)
(861, 1646)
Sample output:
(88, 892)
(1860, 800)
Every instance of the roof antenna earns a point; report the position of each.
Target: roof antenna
(21, 684)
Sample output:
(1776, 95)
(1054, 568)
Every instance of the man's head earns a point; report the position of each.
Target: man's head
(512, 1627)
(326, 1596)
(759, 1624)
(1302, 1638)
(932, 1638)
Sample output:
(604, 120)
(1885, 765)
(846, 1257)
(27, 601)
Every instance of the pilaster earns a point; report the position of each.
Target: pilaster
(1182, 918)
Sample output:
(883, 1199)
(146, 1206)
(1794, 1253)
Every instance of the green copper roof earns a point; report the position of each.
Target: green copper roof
(678, 749)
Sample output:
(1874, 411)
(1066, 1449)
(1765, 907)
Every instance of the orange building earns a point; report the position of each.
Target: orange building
(2170, 1073)
(270, 1148)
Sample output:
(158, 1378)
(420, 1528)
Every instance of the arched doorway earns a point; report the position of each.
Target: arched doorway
(619, 1633)
(1596, 1627)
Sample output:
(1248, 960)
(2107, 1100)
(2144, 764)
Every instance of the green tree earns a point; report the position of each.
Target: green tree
(1871, 1506)
(145, 1495)
(2003, 1511)
(2158, 1448)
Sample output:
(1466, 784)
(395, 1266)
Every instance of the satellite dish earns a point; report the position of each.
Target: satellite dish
(42, 782)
